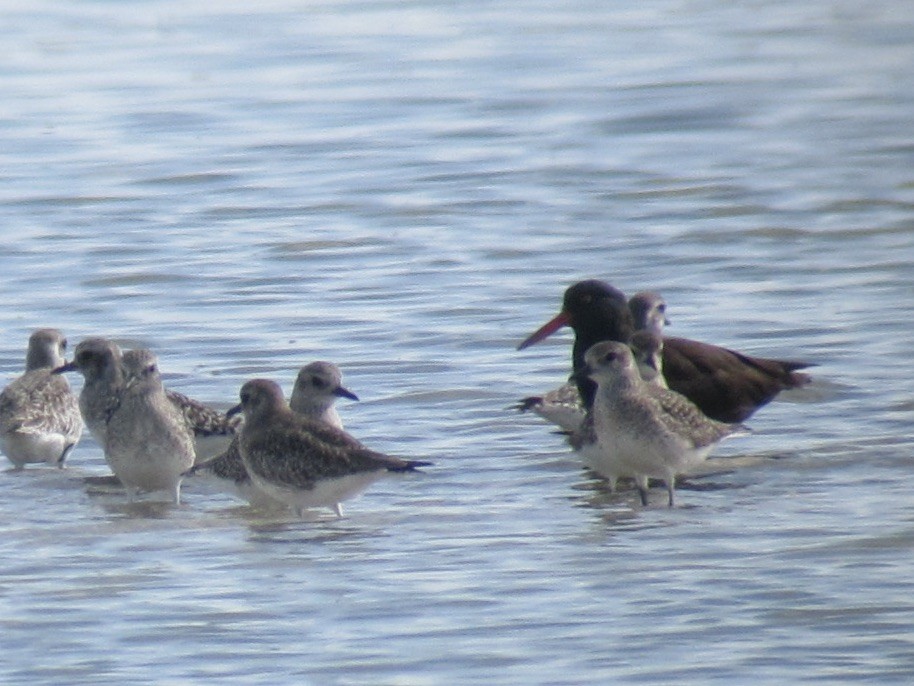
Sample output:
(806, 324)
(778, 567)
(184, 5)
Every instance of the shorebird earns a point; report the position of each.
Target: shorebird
(648, 310)
(99, 360)
(39, 415)
(317, 387)
(300, 461)
(148, 444)
(642, 430)
(726, 385)
(647, 349)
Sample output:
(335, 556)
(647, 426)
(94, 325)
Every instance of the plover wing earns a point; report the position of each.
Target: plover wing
(212, 430)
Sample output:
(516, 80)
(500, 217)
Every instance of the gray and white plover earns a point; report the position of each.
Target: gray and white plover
(148, 444)
(643, 430)
(300, 461)
(726, 385)
(317, 387)
(39, 414)
(99, 361)
(648, 311)
(647, 349)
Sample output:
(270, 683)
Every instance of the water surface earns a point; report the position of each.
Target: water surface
(406, 189)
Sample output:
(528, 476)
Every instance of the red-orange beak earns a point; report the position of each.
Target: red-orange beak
(546, 330)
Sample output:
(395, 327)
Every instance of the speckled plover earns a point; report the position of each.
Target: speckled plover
(300, 461)
(99, 360)
(39, 414)
(642, 430)
(317, 387)
(148, 444)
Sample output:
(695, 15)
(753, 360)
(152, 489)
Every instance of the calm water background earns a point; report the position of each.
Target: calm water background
(406, 189)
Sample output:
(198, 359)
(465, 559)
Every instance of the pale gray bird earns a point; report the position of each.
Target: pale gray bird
(316, 390)
(648, 312)
(99, 361)
(643, 430)
(317, 387)
(300, 461)
(39, 414)
(647, 349)
(148, 444)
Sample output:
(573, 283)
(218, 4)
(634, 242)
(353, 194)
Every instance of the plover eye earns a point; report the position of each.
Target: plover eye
(318, 382)
(63, 344)
(661, 307)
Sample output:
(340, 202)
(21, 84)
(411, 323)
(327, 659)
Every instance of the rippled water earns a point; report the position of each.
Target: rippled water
(406, 189)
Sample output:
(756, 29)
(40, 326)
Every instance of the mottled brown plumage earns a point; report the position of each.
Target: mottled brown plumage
(317, 387)
(39, 415)
(643, 430)
(302, 461)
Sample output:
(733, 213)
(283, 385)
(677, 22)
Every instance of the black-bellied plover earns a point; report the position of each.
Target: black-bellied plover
(303, 462)
(148, 444)
(644, 430)
(317, 387)
(39, 414)
(648, 311)
(726, 385)
(99, 361)
(647, 349)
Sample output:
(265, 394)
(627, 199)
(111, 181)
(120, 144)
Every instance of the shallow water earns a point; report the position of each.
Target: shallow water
(406, 189)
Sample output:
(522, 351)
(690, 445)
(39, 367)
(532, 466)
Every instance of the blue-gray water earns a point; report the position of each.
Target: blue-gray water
(406, 189)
